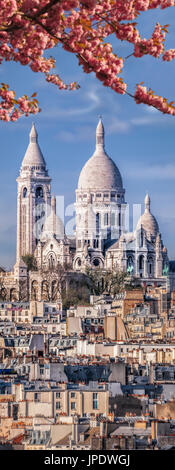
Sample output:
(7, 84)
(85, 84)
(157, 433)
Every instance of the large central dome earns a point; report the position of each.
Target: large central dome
(100, 172)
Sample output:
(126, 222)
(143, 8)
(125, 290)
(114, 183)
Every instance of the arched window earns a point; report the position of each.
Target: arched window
(96, 262)
(130, 264)
(39, 192)
(150, 266)
(97, 223)
(34, 290)
(51, 262)
(141, 261)
(54, 290)
(113, 219)
(45, 291)
(24, 192)
(141, 238)
(106, 219)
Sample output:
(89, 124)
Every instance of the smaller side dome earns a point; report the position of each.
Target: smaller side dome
(53, 226)
(33, 155)
(147, 220)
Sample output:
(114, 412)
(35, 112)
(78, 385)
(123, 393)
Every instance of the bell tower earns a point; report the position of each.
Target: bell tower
(33, 197)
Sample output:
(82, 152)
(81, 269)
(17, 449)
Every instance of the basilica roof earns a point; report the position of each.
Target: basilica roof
(33, 155)
(100, 172)
(147, 220)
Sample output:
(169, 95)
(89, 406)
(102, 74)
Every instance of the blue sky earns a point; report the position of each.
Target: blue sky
(140, 140)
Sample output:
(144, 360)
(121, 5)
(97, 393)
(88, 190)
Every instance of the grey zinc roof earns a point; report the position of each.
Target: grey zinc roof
(37, 341)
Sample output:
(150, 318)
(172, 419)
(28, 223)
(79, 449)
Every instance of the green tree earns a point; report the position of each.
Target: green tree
(30, 262)
(100, 281)
(74, 297)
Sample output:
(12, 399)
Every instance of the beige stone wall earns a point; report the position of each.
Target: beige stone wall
(32, 409)
(43, 396)
(103, 402)
(166, 410)
(110, 327)
(3, 409)
(73, 325)
(46, 403)
(16, 315)
(59, 431)
(131, 299)
(82, 402)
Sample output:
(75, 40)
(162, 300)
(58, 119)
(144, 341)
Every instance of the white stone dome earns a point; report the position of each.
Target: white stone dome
(53, 226)
(100, 172)
(148, 221)
(33, 155)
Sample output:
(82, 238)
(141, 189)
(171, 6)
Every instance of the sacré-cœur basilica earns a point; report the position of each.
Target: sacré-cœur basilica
(101, 239)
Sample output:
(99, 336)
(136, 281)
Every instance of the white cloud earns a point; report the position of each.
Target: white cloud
(117, 125)
(144, 121)
(161, 172)
(151, 109)
(92, 102)
(78, 135)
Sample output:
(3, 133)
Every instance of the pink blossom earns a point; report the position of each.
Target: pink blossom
(29, 28)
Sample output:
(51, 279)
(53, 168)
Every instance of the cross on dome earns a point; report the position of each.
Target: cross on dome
(100, 134)
(33, 134)
(147, 202)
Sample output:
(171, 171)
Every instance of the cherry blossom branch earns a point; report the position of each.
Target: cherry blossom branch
(30, 27)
